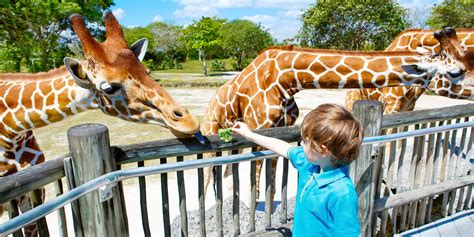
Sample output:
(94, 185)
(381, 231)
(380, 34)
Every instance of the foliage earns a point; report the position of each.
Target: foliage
(166, 48)
(243, 39)
(454, 13)
(225, 134)
(168, 40)
(203, 35)
(218, 65)
(133, 34)
(31, 30)
(245, 62)
(352, 25)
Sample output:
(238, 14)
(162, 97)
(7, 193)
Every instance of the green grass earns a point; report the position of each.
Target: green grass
(194, 66)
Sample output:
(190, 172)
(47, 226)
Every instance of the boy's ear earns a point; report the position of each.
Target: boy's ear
(324, 150)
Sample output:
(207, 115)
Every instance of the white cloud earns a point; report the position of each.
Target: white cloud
(263, 19)
(282, 4)
(119, 13)
(192, 11)
(217, 3)
(279, 27)
(157, 18)
(292, 13)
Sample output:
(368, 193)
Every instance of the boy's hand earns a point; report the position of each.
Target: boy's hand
(242, 129)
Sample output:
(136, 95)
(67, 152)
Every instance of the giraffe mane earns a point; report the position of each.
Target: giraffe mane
(57, 72)
(344, 52)
(417, 30)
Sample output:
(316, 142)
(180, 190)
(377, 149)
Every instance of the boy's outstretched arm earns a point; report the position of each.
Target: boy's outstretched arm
(276, 145)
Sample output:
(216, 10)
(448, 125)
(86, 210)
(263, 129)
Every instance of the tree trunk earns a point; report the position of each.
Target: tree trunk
(44, 60)
(18, 64)
(239, 63)
(204, 62)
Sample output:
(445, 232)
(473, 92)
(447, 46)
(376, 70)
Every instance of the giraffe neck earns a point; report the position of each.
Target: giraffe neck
(297, 69)
(36, 102)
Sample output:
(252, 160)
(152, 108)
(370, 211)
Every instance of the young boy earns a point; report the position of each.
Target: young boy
(326, 202)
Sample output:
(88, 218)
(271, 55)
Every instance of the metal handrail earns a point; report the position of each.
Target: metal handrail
(113, 177)
(425, 131)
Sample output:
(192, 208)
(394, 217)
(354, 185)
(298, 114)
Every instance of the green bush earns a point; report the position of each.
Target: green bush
(245, 63)
(150, 64)
(218, 65)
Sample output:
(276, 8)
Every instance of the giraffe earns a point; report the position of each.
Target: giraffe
(262, 94)
(111, 78)
(399, 99)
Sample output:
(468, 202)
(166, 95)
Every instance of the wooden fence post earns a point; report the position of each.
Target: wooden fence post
(91, 157)
(362, 170)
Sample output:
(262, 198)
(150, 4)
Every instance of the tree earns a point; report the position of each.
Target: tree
(352, 25)
(203, 35)
(243, 39)
(169, 42)
(454, 13)
(166, 47)
(32, 28)
(132, 34)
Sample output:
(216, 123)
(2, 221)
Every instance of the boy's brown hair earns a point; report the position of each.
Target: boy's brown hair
(336, 128)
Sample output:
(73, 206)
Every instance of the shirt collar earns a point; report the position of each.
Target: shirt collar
(325, 178)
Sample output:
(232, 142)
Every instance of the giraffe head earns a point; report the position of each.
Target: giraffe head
(119, 83)
(451, 71)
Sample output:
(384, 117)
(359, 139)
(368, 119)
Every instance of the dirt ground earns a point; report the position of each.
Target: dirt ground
(53, 141)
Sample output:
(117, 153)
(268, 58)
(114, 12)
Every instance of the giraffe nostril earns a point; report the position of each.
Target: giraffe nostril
(177, 114)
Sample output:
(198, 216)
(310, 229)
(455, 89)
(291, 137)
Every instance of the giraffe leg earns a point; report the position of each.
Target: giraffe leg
(228, 168)
(208, 172)
(274, 169)
(36, 197)
(258, 171)
(273, 178)
(24, 204)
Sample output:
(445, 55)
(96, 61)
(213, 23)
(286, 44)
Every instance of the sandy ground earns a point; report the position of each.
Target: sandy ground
(53, 140)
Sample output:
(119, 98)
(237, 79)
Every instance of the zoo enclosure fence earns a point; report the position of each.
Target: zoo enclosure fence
(397, 191)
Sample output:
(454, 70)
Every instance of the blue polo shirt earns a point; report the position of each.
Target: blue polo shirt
(326, 202)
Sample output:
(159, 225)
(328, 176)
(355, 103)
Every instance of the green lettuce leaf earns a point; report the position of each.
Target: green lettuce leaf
(225, 134)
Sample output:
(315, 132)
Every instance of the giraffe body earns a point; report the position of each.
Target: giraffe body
(32, 103)
(398, 99)
(262, 94)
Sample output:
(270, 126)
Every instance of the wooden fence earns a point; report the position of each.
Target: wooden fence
(399, 183)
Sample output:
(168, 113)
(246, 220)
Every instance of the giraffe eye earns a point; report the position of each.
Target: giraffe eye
(455, 74)
(112, 89)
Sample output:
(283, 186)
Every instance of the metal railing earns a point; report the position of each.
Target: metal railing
(113, 177)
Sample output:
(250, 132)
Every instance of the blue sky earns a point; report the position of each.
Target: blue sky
(280, 17)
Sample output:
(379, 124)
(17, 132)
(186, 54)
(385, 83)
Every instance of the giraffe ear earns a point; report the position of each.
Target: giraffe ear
(413, 69)
(78, 74)
(139, 48)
